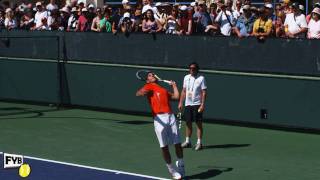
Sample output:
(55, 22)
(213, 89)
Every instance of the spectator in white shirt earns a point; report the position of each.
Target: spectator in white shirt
(314, 24)
(52, 5)
(10, 22)
(225, 20)
(295, 23)
(40, 17)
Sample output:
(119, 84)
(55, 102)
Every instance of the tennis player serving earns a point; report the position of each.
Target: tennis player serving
(164, 121)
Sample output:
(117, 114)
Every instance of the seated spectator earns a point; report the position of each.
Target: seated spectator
(73, 20)
(10, 22)
(237, 9)
(2, 19)
(185, 21)
(105, 23)
(149, 24)
(127, 24)
(314, 24)
(234, 14)
(114, 20)
(172, 23)
(245, 23)
(91, 14)
(279, 24)
(83, 24)
(262, 26)
(225, 20)
(96, 21)
(40, 17)
(201, 18)
(27, 20)
(295, 23)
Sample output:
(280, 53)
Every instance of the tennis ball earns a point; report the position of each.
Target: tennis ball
(24, 170)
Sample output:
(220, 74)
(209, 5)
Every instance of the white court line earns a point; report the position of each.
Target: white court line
(91, 167)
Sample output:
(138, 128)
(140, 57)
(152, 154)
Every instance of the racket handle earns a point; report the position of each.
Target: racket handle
(166, 81)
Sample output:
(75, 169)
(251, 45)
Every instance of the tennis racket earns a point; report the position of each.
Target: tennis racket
(143, 75)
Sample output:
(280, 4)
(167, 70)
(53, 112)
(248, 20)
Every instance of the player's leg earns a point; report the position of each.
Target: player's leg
(188, 118)
(199, 130)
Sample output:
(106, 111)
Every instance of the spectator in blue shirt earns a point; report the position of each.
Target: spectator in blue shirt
(201, 18)
(245, 23)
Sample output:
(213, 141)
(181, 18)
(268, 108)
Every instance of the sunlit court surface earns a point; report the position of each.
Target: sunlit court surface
(84, 144)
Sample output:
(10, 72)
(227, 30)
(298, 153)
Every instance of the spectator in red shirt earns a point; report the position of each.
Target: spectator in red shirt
(83, 24)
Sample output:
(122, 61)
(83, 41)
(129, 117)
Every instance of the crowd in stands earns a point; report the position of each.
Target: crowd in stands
(220, 18)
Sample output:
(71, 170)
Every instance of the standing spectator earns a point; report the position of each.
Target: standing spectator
(65, 14)
(193, 96)
(185, 21)
(161, 14)
(40, 17)
(52, 6)
(262, 27)
(201, 18)
(285, 6)
(237, 8)
(96, 21)
(295, 23)
(314, 24)
(316, 5)
(149, 24)
(73, 20)
(226, 20)
(114, 20)
(138, 20)
(214, 27)
(27, 20)
(91, 14)
(10, 22)
(172, 22)
(2, 19)
(127, 24)
(105, 23)
(83, 24)
(245, 23)
(54, 20)
(279, 24)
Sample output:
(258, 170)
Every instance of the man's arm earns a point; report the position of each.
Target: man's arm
(182, 98)
(175, 94)
(141, 92)
(203, 99)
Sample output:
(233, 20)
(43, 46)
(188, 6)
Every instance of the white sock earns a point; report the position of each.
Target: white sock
(170, 168)
(187, 139)
(199, 141)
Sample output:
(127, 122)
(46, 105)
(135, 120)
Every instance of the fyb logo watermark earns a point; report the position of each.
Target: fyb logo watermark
(16, 161)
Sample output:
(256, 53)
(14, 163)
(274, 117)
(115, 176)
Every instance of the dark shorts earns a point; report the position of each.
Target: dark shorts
(191, 113)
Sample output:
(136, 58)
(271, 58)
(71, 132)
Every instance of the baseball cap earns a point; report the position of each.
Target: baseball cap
(269, 6)
(183, 8)
(316, 10)
(126, 15)
(84, 10)
(91, 6)
(38, 3)
(246, 7)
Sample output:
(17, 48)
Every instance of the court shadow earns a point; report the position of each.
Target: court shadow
(135, 122)
(208, 174)
(225, 146)
(12, 109)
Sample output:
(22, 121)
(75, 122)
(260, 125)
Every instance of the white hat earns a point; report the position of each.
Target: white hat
(81, 1)
(91, 6)
(126, 15)
(38, 4)
(301, 7)
(316, 10)
(246, 7)
(146, 8)
(158, 4)
(125, 1)
(8, 10)
(74, 9)
(84, 10)
(269, 6)
(193, 4)
(183, 8)
(65, 9)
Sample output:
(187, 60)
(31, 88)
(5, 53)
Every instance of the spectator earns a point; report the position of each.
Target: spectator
(83, 24)
(96, 21)
(314, 24)
(172, 22)
(127, 24)
(10, 22)
(316, 5)
(40, 17)
(65, 14)
(54, 20)
(214, 27)
(245, 23)
(2, 19)
(73, 20)
(234, 14)
(285, 6)
(105, 24)
(27, 20)
(262, 26)
(201, 18)
(279, 24)
(114, 20)
(237, 9)
(91, 14)
(52, 6)
(161, 14)
(138, 20)
(185, 21)
(295, 23)
(225, 20)
(149, 24)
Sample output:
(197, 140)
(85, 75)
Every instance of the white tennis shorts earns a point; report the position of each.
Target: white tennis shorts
(166, 129)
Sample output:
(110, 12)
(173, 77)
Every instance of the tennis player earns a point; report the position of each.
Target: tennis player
(194, 95)
(164, 121)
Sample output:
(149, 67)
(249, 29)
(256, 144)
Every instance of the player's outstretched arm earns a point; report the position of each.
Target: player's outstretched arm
(141, 92)
(175, 95)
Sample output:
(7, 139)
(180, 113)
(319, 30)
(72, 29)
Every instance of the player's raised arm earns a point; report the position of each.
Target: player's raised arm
(142, 92)
(175, 94)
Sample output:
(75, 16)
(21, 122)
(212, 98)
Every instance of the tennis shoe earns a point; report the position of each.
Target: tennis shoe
(180, 168)
(198, 147)
(175, 175)
(186, 145)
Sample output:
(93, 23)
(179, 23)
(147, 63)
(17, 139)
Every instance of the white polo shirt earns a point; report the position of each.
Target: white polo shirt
(194, 87)
(295, 23)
